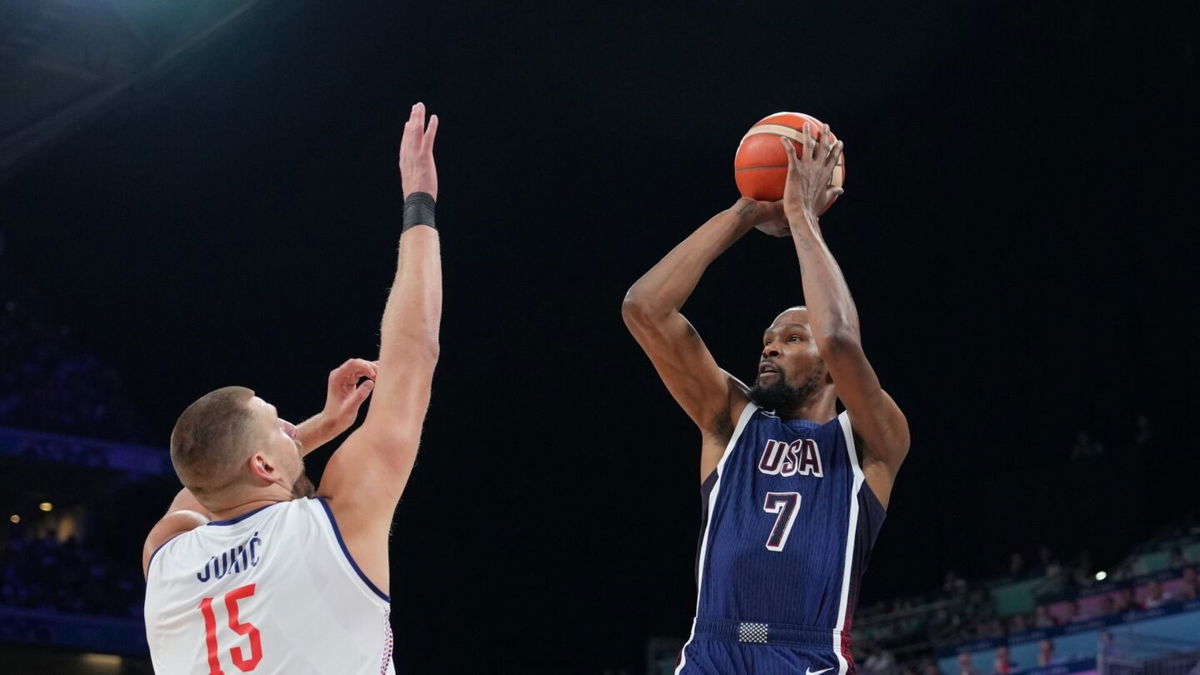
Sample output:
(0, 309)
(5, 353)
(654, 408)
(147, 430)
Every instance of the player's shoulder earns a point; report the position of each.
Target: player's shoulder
(169, 528)
(183, 535)
(298, 513)
(181, 527)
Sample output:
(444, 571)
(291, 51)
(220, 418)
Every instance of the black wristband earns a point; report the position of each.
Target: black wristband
(418, 210)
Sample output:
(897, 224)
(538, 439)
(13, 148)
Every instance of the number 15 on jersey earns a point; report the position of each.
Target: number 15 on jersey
(241, 661)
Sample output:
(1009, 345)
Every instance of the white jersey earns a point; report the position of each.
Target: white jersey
(270, 592)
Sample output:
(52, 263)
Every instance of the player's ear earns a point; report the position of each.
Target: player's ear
(262, 467)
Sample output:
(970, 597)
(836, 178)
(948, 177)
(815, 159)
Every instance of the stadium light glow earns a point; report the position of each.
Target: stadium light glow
(46, 506)
(107, 660)
(1101, 575)
(14, 519)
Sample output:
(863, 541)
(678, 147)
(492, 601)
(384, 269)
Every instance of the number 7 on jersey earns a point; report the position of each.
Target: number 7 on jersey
(785, 505)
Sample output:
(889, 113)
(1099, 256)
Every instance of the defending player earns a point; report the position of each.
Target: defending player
(248, 572)
(793, 492)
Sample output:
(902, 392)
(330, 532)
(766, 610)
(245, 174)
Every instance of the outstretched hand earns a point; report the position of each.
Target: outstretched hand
(808, 191)
(345, 394)
(418, 173)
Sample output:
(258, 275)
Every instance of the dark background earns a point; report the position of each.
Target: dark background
(1018, 232)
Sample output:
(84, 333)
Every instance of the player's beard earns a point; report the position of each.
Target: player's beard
(303, 487)
(783, 397)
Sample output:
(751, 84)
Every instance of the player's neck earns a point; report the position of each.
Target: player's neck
(820, 409)
(246, 503)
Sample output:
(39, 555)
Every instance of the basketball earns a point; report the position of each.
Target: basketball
(760, 165)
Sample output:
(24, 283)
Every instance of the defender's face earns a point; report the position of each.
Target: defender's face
(279, 443)
(789, 351)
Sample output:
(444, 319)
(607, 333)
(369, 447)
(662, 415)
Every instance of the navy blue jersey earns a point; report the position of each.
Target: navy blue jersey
(788, 525)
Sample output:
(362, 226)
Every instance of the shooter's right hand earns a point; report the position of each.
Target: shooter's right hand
(767, 217)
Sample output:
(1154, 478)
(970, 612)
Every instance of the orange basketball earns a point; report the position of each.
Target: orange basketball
(760, 165)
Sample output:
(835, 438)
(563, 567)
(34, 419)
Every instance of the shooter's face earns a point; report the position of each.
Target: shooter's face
(790, 369)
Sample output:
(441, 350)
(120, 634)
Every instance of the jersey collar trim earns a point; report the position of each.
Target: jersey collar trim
(238, 519)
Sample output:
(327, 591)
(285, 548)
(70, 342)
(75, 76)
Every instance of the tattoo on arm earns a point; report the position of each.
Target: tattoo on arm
(805, 241)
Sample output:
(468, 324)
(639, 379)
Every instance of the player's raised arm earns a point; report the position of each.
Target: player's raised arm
(366, 476)
(711, 397)
(876, 418)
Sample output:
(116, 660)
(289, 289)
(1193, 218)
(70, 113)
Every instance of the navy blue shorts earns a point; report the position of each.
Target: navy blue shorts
(730, 647)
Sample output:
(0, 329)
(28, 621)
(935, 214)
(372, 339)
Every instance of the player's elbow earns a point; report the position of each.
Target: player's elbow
(395, 442)
(422, 347)
(638, 308)
(893, 448)
(432, 350)
(633, 310)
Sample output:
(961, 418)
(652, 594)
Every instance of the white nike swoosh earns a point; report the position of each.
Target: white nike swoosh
(816, 672)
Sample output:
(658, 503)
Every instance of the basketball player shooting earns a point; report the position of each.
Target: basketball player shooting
(793, 492)
(254, 571)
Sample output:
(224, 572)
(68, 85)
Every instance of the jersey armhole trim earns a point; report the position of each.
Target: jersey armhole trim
(712, 493)
(346, 552)
(150, 562)
(747, 413)
(844, 420)
(840, 645)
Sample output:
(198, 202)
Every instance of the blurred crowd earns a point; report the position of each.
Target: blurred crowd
(896, 637)
(967, 611)
(48, 382)
(69, 575)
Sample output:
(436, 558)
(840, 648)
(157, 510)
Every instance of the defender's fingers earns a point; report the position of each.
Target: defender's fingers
(363, 391)
(419, 119)
(410, 131)
(361, 368)
(430, 133)
(355, 365)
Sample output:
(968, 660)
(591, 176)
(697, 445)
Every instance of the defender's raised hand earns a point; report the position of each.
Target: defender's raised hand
(418, 173)
(810, 172)
(345, 394)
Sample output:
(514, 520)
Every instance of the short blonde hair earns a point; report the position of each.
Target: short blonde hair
(210, 439)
